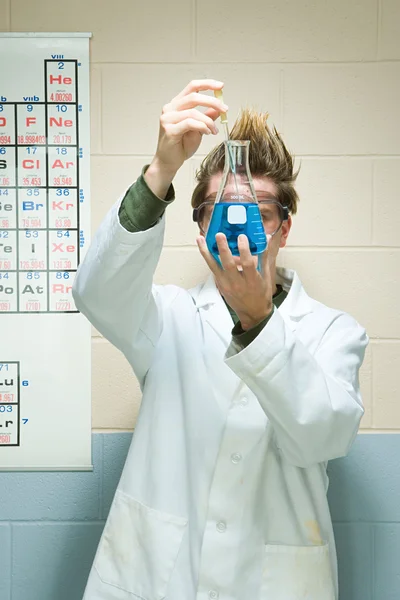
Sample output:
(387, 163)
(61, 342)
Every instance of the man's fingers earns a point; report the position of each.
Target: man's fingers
(225, 254)
(211, 262)
(197, 85)
(177, 116)
(212, 113)
(246, 257)
(195, 99)
(179, 129)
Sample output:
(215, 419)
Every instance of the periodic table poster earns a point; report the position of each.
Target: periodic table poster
(45, 408)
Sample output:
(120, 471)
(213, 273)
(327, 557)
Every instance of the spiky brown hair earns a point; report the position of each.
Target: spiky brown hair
(268, 157)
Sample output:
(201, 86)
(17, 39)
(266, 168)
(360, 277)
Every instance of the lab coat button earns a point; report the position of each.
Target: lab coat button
(244, 402)
(236, 458)
(221, 527)
(213, 594)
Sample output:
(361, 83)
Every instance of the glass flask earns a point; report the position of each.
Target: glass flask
(236, 208)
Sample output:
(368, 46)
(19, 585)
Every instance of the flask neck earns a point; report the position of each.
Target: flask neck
(237, 183)
(237, 157)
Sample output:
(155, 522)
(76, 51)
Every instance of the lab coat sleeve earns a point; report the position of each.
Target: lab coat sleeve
(312, 401)
(114, 290)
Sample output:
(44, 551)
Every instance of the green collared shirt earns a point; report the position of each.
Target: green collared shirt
(141, 209)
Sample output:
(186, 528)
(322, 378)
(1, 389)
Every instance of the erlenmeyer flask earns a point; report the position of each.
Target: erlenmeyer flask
(236, 209)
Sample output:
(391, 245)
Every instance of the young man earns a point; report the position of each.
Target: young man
(249, 388)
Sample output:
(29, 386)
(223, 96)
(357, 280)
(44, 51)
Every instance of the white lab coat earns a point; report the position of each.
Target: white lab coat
(223, 494)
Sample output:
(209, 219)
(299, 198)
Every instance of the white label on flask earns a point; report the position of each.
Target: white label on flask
(237, 215)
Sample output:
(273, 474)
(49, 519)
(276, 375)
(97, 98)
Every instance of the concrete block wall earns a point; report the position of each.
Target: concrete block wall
(329, 74)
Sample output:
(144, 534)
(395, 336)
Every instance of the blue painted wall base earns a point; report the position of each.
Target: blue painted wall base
(50, 523)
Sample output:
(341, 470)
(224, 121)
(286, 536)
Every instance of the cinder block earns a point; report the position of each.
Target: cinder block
(389, 47)
(134, 126)
(112, 176)
(386, 386)
(360, 282)
(116, 394)
(116, 446)
(246, 85)
(5, 15)
(386, 215)
(183, 267)
(331, 110)
(95, 109)
(180, 230)
(335, 203)
(123, 31)
(386, 567)
(139, 92)
(365, 486)
(355, 560)
(53, 560)
(5, 561)
(286, 31)
(54, 495)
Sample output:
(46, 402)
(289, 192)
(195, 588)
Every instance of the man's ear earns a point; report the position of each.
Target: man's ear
(285, 230)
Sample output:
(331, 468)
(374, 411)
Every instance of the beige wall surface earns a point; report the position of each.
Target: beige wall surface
(329, 74)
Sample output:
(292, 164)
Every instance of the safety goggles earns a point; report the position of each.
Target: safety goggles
(273, 214)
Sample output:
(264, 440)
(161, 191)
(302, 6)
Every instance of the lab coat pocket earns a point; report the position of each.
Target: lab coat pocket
(139, 547)
(297, 573)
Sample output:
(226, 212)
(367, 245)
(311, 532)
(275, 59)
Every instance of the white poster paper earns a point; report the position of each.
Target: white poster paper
(45, 388)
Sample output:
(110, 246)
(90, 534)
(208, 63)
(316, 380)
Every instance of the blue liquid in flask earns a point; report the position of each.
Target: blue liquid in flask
(234, 219)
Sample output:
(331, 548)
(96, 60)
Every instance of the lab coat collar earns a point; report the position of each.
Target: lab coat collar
(296, 305)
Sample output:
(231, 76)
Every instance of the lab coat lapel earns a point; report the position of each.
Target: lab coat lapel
(216, 312)
(209, 301)
(297, 304)
(217, 339)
